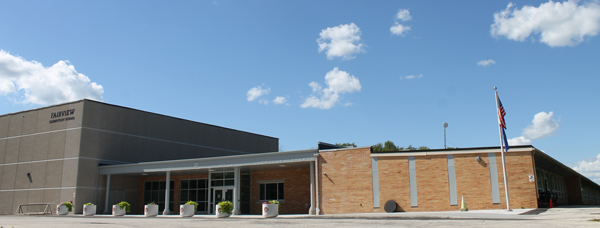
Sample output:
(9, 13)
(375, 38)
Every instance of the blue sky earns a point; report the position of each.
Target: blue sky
(332, 71)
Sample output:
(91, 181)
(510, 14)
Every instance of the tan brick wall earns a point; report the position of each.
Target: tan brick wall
(394, 182)
(518, 168)
(296, 190)
(348, 183)
(347, 187)
(472, 181)
(432, 183)
(176, 188)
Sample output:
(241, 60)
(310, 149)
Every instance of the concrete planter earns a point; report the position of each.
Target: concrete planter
(219, 214)
(150, 210)
(117, 211)
(186, 210)
(62, 210)
(270, 210)
(89, 210)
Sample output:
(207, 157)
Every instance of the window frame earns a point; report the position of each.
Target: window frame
(279, 190)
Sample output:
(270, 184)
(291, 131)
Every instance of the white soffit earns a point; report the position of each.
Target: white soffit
(213, 162)
(446, 152)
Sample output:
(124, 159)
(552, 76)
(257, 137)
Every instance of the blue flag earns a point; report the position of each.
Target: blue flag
(504, 141)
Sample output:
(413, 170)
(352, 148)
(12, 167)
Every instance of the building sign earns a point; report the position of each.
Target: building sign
(61, 116)
(531, 178)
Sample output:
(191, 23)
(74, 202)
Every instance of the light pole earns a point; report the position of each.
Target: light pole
(445, 126)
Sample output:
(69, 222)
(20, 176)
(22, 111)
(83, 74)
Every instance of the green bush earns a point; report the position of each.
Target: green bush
(275, 202)
(226, 206)
(192, 203)
(151, 203)
(88, 204)
(124, 204)
(68, 205)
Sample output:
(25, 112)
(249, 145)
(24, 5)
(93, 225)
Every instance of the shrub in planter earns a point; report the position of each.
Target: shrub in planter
(270, 209)
(64, 208)
(89, 209)
(121, 208)
(188, 209)
(151, 209)
(223, 209)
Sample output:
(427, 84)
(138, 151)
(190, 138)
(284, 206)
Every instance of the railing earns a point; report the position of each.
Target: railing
(34, 209)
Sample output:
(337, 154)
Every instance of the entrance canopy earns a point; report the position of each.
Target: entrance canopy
(260, 159)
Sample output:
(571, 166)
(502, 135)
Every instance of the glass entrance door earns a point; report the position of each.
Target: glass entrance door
(221, 194)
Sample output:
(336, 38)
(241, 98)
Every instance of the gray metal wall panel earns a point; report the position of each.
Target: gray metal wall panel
(375, 175)
(494, 178)
(127, 131)
(413, 181)
(452, 180)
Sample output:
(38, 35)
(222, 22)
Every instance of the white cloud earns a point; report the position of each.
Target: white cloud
(341, 41)
(315, 86)
(558, 24)
(400, 29)
(404, 15)
(40, 85)
(338, 82)
(590, 168)
(279, 100)
(262, 101)
(257, 92)
(486, 62)
(521, 140)
(412, 77)
(542, 126)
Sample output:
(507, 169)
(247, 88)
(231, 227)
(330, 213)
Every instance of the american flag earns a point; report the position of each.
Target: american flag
(501, 114)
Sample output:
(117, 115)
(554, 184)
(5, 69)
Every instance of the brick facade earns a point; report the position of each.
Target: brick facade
(518, 168)
(345, 183)
(296, 190)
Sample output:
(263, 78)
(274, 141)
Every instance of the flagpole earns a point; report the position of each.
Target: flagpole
(502, 154)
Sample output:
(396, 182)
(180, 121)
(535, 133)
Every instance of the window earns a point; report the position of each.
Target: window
(154, 191)
(195, 190)
(271, 191)
(221, 179)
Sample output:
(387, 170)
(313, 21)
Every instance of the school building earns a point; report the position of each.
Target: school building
(89, 151)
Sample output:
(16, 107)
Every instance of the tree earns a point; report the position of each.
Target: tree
(423, 148)
(378, 147)
(390, 146)
(346, 144)
(387, 146)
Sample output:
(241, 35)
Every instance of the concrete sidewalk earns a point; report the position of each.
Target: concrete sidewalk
(542, 218)
(582, 213)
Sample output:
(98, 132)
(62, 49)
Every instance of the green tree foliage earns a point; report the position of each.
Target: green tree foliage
(410, 147)
(346, 144)
(390, 146)
(387, 146)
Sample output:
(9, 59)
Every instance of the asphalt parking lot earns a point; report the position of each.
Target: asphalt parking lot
(555, 217)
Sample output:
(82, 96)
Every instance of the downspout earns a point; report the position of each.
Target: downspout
(318, 210)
